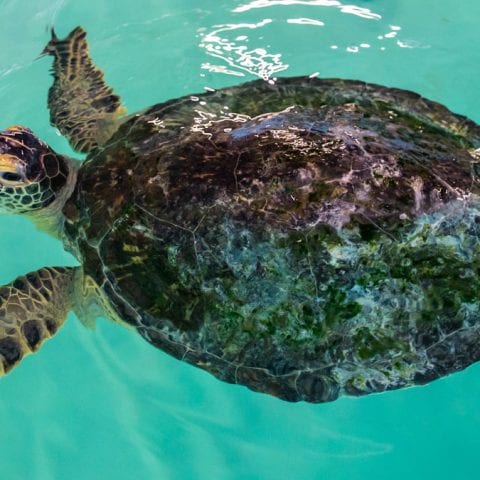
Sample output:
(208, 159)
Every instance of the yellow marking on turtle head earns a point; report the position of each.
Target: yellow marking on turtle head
(8, 163)
(15, 128)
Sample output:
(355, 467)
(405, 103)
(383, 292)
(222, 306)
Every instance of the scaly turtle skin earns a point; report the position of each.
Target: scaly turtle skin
(307, 239)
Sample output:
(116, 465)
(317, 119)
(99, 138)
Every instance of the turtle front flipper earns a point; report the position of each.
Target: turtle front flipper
(32, 308)
(82, 106)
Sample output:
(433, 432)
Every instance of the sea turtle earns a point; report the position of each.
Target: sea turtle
(307, 238)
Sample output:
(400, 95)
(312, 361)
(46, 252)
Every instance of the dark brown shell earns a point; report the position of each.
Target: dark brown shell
(298, 238)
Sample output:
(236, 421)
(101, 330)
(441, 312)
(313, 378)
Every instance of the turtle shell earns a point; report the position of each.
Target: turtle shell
(307, 239)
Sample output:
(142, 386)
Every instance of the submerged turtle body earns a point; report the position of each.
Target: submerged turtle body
(306, 239)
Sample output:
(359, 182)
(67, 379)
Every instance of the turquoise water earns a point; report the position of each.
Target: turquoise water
(104, 404)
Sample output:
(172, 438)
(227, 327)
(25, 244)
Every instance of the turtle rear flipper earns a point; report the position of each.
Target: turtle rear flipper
(32, 308)
(82, 106)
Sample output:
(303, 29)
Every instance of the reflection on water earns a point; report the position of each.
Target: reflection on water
(353, 9)
(242, 49)
(238, 56)
(306, 21)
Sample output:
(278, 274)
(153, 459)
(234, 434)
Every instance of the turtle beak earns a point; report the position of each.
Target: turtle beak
(21, 154)
(12, 167)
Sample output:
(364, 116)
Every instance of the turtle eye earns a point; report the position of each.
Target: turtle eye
(11, 177)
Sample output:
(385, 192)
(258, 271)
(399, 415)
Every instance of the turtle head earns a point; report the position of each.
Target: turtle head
(32, 175)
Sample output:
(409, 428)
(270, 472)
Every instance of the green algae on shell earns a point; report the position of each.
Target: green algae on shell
(307, 239)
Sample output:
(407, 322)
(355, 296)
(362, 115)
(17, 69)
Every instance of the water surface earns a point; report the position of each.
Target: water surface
(105, 404)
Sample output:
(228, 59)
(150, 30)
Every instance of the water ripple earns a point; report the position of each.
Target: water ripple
(306, 21)
(352, 9)
(242, 49)
(238, 56)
